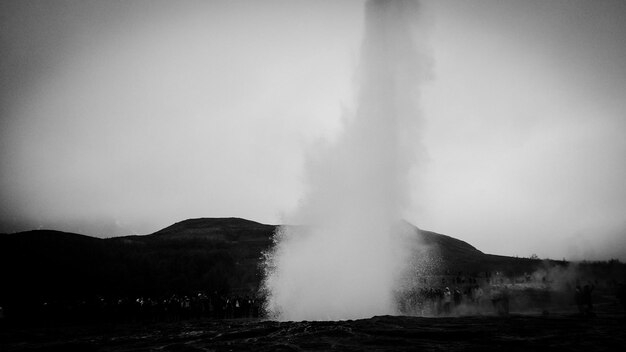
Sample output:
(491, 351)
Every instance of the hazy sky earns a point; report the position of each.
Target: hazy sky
(121, 117)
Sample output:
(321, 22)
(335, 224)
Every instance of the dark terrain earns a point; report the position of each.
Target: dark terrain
(217, 254)
(59, 289)
(384, 333)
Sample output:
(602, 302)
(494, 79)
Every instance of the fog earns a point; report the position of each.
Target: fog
(123, 117)
(346, 262)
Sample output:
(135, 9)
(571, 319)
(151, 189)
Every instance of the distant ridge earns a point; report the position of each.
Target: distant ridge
(42, 235)
(200, 223)
(433, 237)
(215, 227)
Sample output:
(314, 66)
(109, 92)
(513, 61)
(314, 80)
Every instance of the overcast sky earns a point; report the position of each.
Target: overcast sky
(120, 117)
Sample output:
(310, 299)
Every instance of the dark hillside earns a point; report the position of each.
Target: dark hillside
(206, 254)
(194, 255)
(225, 229)
(44, 262)
(454, 255)
(198, 254)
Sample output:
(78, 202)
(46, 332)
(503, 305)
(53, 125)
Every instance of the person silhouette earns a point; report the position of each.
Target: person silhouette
(447, 300)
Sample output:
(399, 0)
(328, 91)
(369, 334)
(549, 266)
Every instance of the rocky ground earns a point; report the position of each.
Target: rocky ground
(517, 332)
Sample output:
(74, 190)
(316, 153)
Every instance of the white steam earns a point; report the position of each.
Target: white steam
(346, 262)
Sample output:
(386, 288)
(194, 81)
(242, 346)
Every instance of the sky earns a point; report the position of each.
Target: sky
(123, 117)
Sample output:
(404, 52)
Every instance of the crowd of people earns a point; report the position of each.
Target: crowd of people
(495, 293)
(443, 295)
(446, 301)
(173, 307)
(463, 293)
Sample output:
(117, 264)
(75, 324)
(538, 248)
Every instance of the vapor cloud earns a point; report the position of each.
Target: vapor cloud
(123, 117)
(347, 261)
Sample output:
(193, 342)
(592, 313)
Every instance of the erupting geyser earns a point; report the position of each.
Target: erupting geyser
(346, 261)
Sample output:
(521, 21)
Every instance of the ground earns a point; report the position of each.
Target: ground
(517, 332)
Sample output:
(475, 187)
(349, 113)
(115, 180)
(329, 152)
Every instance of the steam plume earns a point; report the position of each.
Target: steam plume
(346, 262)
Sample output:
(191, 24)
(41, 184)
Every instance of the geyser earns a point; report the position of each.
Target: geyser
(347, 260)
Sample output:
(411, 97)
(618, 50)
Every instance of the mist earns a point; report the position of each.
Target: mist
(124, 117)
(347, 259)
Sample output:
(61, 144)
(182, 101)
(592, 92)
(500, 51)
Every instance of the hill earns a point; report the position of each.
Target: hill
(206, 254)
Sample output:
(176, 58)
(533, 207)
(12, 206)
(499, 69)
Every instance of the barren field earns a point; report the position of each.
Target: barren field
(516, 332)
